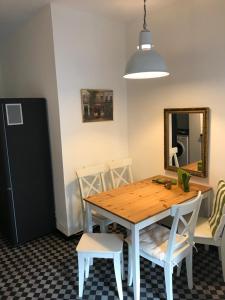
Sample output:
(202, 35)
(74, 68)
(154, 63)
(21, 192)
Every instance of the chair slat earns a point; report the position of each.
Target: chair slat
(121, 172)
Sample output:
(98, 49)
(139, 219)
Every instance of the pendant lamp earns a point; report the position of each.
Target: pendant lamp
(145, 62)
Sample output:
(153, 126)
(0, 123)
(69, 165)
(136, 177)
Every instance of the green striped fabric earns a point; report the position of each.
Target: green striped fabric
(218, 205)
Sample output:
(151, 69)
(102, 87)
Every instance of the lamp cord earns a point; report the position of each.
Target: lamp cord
(145, 24)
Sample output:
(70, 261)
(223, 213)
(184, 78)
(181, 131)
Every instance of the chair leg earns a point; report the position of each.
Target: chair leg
(128, 232)
(189, 270)
(220, 254)
(223, 260)
(179, 269)
(206, 247)
(91, 261)
(81, 273)
(114, 227)
(84, 223)
(168, 272)
(87, 265)
(102, 227)
(130, 271)
(122, 266)
(117, 269)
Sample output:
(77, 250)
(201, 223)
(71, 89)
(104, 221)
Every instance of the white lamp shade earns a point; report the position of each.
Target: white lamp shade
(145, 64)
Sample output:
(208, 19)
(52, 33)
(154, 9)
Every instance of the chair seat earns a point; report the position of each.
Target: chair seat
(100, 245)
(154, 241)
(203, 229)
(100, 242)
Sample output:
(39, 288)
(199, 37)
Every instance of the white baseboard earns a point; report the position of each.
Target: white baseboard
(73, 230)
(68, 231)
(63, 229)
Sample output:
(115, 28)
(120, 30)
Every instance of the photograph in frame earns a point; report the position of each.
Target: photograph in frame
(97, 105)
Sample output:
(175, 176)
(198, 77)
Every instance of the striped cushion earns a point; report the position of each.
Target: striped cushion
(218, 206)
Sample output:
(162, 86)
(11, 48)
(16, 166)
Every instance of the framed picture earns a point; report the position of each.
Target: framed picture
(97, 105)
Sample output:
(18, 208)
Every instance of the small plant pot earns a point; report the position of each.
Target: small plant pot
(186, 178)
(183, 180)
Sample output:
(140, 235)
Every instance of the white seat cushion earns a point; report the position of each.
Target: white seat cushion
(203, 229)
(100, 242)
(154, 241)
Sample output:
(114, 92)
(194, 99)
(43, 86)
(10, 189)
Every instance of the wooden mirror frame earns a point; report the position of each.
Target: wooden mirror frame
(204, 150)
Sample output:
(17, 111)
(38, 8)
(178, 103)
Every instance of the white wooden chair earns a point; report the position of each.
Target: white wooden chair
(173, 154)
(120, 171)
(100, 245)
(165, 247)
(92, 181)
(207, 234)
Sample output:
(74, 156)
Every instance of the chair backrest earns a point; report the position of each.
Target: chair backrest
(91, 181)
(190, 209)
(218, 208)
(120, 171)
(173, 155)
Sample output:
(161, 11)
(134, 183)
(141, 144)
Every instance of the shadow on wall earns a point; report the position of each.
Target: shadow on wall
(74, 206)
(75, 216)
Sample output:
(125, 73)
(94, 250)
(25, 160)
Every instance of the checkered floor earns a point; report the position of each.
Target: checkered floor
(47, 269)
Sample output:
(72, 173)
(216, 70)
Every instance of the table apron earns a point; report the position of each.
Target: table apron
(110, 216)
(144, 223)
(153, 219)
(127, 224)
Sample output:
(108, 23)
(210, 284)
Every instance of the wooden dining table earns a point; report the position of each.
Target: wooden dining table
(138, 205)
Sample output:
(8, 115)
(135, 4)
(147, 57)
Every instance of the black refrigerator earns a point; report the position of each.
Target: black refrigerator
(26, 188)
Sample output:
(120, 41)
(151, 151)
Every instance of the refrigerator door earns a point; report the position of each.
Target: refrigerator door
(7, 209)
(30, 167)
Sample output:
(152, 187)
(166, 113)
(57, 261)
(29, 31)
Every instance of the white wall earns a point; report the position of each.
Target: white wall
(28, 68)
(190, 36)
(90, 53)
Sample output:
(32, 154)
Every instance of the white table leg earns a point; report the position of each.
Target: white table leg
(135, 261)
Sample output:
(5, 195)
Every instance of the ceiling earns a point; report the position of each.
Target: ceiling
(13, 12)
(124, 10)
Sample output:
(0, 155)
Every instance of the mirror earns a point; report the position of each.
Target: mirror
(186, 140)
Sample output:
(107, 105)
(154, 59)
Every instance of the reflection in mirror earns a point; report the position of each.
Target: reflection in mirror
(185, 136)
(186, 140)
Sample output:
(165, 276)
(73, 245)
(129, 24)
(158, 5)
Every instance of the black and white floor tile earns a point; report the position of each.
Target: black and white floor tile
(47, 269)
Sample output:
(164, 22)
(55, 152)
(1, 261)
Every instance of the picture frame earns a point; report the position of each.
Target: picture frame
(97, 105)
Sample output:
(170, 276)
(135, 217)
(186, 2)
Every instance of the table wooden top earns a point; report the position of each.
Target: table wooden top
(143, 199)
(192, 167)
